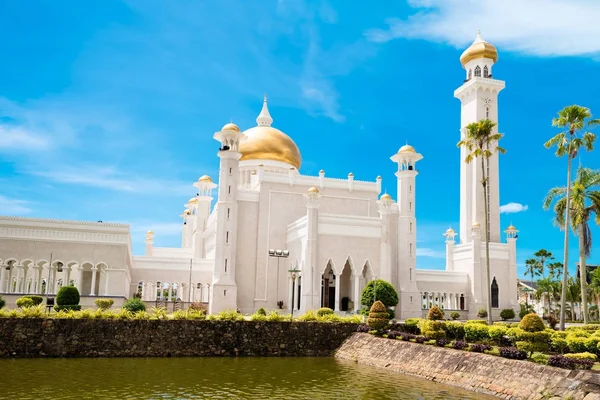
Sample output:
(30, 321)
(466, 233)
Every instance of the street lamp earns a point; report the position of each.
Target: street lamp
(278, 254)
(293, 271)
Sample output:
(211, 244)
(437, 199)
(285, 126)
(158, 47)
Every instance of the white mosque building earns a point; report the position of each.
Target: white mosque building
(278, 239)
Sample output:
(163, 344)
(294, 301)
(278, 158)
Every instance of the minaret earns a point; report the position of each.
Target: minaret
(511, 240)
(264, 118)
(410, 301)
(223, 293)
(479, 100)
(449, 235)
(385, 264)
(205, 185)
(149, 243)
(311, 289)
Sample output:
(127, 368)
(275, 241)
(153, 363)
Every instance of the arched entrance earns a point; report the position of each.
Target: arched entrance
(328, 286)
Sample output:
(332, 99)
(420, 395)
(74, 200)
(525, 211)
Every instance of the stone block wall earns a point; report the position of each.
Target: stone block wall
(166, 338)
(483, 373)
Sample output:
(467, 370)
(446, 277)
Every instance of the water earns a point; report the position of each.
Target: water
(211, 378)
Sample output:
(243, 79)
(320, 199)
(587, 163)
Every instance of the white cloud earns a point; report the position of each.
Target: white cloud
(429, 252)
(16, 138)
(536, 27)
(9, 206)
(512, 208)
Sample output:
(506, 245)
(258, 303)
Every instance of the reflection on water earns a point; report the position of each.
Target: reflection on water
(210, 378)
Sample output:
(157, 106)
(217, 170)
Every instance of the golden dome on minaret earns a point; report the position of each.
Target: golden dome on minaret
(407, 148)
(313, 190)
(385, 196)
(264, 142)
(479, 49)
(230, 127)
(205, 178)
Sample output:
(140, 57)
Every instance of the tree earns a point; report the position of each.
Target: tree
(532, 268)
(543, 255)
(481, 141)
(555, 270)
(573, 294)
(576, 120)
(585, 203)
(381, 290)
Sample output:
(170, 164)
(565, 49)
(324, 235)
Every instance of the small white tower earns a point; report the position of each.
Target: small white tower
(205, 185)
(149, 243)
(311, 290)
(410, 301)
(385, 265)
(479, 100)
(449, 235)
(223, 293)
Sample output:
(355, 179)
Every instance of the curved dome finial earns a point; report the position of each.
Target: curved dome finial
(264, 118)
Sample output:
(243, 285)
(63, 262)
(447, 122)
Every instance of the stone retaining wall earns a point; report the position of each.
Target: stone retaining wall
(483, 373)
(160, 338)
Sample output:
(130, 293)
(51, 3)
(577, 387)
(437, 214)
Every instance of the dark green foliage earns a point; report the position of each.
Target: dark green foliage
(507, 313)
(570, 363)
(460, 345)
(382, 291)
(455, 315)
(23, 302)
(67, 296)
(324, 311)
(482, 313)
(532, 323)
(363, 329)
(434, 329)
(261, 311)
(2, 302)
(69, 307)
(512, 353)
(378, 316)
(479, 348)
(420, 339)
(411, 325)
(455, 330)
(442, 342)
(435, 314)
(134, 305)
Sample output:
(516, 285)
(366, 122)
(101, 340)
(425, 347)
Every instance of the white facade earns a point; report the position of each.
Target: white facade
(336, 233)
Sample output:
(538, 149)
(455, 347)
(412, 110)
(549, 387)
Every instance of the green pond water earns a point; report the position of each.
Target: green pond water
(211, 378)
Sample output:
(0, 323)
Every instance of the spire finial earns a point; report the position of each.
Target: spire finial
(264, 118)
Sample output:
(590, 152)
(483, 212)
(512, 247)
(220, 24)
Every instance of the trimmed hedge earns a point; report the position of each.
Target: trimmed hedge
(323, 311)
(23, 302)
(378, 316)
(70, 307)
(67, 296)
(104, 304)
(134, 305)
(532, 323)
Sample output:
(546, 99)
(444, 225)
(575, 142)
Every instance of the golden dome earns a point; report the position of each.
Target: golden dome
(476, 225)
(193, 200)
(268, 143)
(350, 174)
(511, 227)
(385, 196)
(322, 171)
(407, 148)
(479, 49)
(230, 127)
(187, 212)
(450, 231)
(149, 233)
(378, 177)
(205, 178)
(313, 190)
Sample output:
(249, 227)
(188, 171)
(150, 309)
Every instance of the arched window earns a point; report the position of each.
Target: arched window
(470, 73)
(485, 72)
(495, 301)
(462, 301)
(477, 71)
(158, 290)
(140, 290)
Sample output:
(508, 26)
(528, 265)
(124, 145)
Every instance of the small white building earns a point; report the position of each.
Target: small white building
(269, 219)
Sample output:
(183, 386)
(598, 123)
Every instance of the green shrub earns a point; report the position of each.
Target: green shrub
(230, 315)
(476, 321)
(435, 314)
(476, 332)
(482, 313)
(412, 325)
(261, 311)
(104, 304)
(198, 306)
(455, 315)
(507, 313)
(274, 317)
(68, 307)
(309, 316)
(2, 302)
(324, 311)
(433, 329)
(577, 344)
(24, 302)
(455, 330)
(539, 358)
(497, 332)
(582, 356)
(378, 316)
(592, 343)
(532, 323)
(37, 300)
(258, 317)
(67, 296)
(531, 347)
(134, 305)
(382, 291)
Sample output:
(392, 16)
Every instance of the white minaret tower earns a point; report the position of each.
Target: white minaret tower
(205, 185)
(479, 100)
(410, 301)
(223, 293)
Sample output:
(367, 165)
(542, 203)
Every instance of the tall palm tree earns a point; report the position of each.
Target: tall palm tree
(576, 120)
(549, 287)
(573, 295)
(555, 270)
(532, 268)
(481, 141)
(585, 203)
(543, 255)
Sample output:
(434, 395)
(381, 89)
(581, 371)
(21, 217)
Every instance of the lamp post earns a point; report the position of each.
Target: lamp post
(293, 271)
(278, 254)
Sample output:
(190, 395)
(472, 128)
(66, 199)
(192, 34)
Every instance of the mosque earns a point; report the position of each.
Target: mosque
(278, 239)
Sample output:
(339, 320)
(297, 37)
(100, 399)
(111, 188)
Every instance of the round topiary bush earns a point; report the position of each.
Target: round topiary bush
(104, 304)
(435, 314)
(482, 313)
(324, 311)
(454, 315)
(37, 300)
(2, 302)
(67, 296)
(134, 305)
(382, 291)
(532, 323)
(378, 316)
(507, 313)
(261, 311)
(24, 302)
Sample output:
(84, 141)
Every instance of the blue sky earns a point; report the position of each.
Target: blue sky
(107, 108)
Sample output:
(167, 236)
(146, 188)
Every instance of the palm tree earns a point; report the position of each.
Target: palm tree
(575, 119)
(585, 202)
(573, 295)
(555, 270)
(549, 287)
(532, 268)
(481, 142)
(542, 256)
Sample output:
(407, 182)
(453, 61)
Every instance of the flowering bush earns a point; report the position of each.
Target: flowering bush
(435, 314)
(442, 342)
(569, 363)
(420, 339)
(512, 353)
(479, 348)
(460, 345)
(393, 334)
(406, 336)
(454, 315)
(363, 329)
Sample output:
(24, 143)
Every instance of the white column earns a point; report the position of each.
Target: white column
(290, 298)
(296, 294)
(337, 293)
(169, 291)
(19, 273)
(356, 292)
(93, 289)
(2, 278)
(79, 281)
(67, 275)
